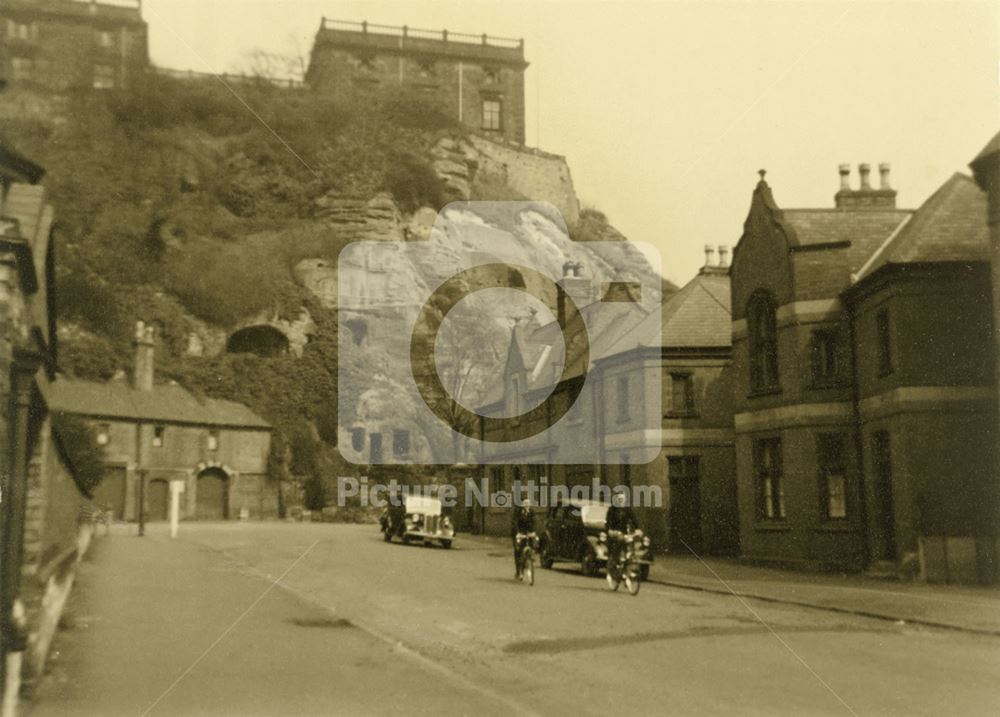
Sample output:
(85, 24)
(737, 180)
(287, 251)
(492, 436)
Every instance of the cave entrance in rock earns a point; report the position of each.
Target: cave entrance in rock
(262, 340)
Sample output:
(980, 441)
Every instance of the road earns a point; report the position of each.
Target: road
(328, 619)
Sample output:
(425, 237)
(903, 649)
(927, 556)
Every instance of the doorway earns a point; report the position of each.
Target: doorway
(157, 500)
(685, 504)
(212, 495)
(885, 510)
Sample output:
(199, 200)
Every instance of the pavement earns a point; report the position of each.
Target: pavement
(279, 618)
(972, 609)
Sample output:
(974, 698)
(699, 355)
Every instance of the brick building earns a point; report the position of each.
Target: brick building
(58, 44)
(863, 369)
(160, 433)
(476, 79)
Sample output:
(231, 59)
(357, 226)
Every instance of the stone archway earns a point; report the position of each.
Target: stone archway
(261, 339)
(212, 494)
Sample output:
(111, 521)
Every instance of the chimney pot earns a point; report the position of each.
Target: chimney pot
(709, 255)
(864, 170)
(723, 255)
(883, 170)
(845, 177)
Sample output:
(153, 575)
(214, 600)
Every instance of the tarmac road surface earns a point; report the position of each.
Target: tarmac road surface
(276, 618)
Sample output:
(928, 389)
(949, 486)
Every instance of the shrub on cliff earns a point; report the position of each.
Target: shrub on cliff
(413, 183)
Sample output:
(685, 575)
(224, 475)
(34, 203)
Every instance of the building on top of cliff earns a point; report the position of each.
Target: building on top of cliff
(476, 79)
(58, 44)
(161, 432)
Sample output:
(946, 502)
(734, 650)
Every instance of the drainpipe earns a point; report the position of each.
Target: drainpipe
(461, 76)
(859, 448)
(14, 630)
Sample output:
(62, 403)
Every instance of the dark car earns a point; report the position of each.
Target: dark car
(575, 532)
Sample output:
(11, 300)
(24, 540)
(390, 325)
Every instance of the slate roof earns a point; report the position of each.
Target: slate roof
(697, 316)
(864, 228)
(949, 226)
(168, 403)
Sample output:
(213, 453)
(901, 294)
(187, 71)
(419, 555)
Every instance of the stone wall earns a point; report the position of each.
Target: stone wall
(54, 541)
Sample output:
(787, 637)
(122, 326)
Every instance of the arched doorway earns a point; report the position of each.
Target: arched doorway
(157, 499)
(212, 495)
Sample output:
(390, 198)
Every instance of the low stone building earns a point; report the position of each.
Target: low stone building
(158, 433)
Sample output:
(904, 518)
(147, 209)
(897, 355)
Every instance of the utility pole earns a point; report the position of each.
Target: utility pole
(142, 502)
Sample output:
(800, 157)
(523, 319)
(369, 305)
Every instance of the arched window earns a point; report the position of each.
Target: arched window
(763, 339)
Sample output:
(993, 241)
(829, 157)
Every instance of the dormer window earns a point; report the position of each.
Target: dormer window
(762, 332)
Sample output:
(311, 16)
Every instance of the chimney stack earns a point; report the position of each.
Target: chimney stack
(883, 170)
(709, 255)
(864, 169)
(845, 177)
(723, 256)
(142, 372)
(579, 288)
(865, 197)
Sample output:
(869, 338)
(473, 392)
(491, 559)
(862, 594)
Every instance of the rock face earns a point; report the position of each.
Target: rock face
(356, 218)
(381, 287)
(467, 164)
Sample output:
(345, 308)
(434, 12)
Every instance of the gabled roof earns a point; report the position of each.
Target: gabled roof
(697, 316)
(167, 403)
(860, 230)
(949, 227)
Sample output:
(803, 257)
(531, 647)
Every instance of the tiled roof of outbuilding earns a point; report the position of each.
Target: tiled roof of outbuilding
(168, 403)
(949, 226)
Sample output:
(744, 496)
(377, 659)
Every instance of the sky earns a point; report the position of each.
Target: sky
(666, 110)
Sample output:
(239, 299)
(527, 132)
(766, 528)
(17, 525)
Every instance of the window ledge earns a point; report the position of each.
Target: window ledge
(757, 393)
(773, 527)
(681, 414)
(821, 385)
(834, 525)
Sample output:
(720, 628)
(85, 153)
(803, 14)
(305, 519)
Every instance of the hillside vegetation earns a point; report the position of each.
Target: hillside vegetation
(188, 204)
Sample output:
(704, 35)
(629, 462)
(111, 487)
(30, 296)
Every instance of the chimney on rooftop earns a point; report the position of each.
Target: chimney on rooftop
(845, 177)
(577, 287)
(723, 256)
(864, 170)
(883, 171)
(865, 197)
(142, 372)
(709, 256)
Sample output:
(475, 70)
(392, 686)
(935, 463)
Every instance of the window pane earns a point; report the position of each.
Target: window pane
(491, 114)
(836, 502)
